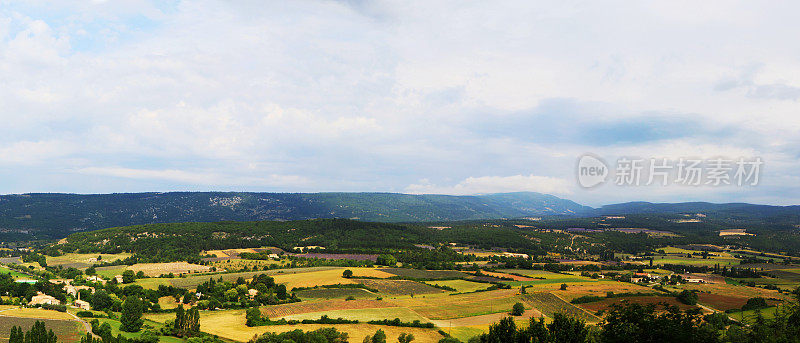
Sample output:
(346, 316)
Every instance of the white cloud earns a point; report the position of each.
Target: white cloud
(374, 96)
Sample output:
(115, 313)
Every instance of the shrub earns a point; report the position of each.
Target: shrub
(518, 309)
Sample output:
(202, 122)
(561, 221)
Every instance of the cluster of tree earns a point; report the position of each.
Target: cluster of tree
(326, 335)
(37, 334)
(35, 257)
(186, 324)
(223, 294)
(22, 292)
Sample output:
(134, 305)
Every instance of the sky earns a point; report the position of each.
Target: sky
(447, 97)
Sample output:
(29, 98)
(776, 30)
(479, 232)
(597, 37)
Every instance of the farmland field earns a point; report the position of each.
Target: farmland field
(336, 293)
(193, 281)
(230, 325)
(426, 274)
(550, 304)
(399, 287)
(15, 274)
(82, 260)
(37, 313)
(278, 311)
(67, 331)
(364, 315)
(724, 302)
(108, 272)
(156, 269)
(606, 304)
(445, 306)
(460, 285)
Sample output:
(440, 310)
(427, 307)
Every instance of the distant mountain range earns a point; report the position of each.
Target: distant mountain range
(57, 215)
(60, 214)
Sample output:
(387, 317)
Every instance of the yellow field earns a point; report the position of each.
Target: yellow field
(311, 279)
(82, 260)
(239, 264)
(37, 313)
(167, 303)
(460, 285)
(157, 269)
(599, 288)
(363, 315)
(444, 306)
(230, 324)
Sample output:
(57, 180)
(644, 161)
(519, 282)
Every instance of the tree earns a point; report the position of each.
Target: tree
(253, 317)
(565, 329)
(563, 287)
(405, 338)
(39, 334)
(16, 336)
(688, 297)
(128, 276)
(347, 273)
(449, 340)
(378, 337)
(643, 323)
(386, 260)
(518, 309)
(755, 303)
(131, 318)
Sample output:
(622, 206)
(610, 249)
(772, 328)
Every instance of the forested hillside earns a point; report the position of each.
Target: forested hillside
(57, 215)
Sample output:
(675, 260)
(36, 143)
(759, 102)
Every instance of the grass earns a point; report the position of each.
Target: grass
(148, 323)
(15, 274)
(460, 285)
(110, 271)
(695, 261)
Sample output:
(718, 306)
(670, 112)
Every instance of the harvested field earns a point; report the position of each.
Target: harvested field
(278, 311)
(230, 325)
(734, 290)
(336, 293)
(599, 288)
(157, 269)
(443, 306)
(37, 313)
(550, 304)
(460, 285)
(193, 281)
(399, 287)
(724, 302)
(82, 260)
(355, 257)
(364, 315)
(312, 279)
(67, 331)
(426, 274)
(606, 304)
(486, 319)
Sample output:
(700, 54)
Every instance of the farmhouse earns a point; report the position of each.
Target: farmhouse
(42, 299)
(82, 305)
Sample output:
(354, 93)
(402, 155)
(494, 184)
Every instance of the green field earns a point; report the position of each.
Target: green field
(110, 271)
(15, 274)
(115, 324)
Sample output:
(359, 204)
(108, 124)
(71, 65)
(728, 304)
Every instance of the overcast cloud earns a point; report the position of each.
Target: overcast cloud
(455, 97)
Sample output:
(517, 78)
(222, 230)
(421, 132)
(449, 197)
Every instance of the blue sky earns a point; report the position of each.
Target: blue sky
(453, 97)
